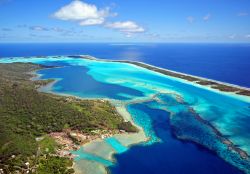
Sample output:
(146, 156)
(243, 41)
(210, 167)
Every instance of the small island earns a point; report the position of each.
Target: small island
(38, 130)
(201, 81)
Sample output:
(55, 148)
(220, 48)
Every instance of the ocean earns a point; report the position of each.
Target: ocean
(179, 141)
(224, 62)
(170, 155)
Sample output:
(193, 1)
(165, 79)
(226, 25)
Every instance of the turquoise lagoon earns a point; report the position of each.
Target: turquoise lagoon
(179, 118)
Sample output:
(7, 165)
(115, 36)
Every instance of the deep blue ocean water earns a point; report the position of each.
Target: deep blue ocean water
(170, 156)
(224, 62)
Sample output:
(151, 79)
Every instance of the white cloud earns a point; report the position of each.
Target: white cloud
(207, 17)
(127, 27)
(88, 14)
(190, 19)
(248, 36)
(243, 14)
(85, 14)
(92, 22)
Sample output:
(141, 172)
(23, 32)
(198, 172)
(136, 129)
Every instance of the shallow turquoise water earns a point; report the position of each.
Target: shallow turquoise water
(119, 148)
(81, 154)
(229, 114)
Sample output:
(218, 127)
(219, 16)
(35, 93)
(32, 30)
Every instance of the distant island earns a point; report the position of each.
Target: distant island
(224, 87)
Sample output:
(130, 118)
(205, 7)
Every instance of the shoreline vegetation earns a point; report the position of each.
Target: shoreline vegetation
(38, 130)
(204, 82)
(217, 85)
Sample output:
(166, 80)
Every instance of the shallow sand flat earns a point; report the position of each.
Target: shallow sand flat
(89, 167)
(106, 151)
(124, 113)
(128, 139)
(49, 87)
(100, 148)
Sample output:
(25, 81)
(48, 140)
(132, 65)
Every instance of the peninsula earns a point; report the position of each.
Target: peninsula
(37, 130)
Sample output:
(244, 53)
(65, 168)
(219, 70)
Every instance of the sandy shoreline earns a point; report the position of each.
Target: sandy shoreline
(101, 149)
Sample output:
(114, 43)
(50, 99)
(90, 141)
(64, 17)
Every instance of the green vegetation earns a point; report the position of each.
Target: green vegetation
(127, 126)
(47, 145)
(55, 165)
(26, 114)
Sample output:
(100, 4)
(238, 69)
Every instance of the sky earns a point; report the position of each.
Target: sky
(224, 21)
